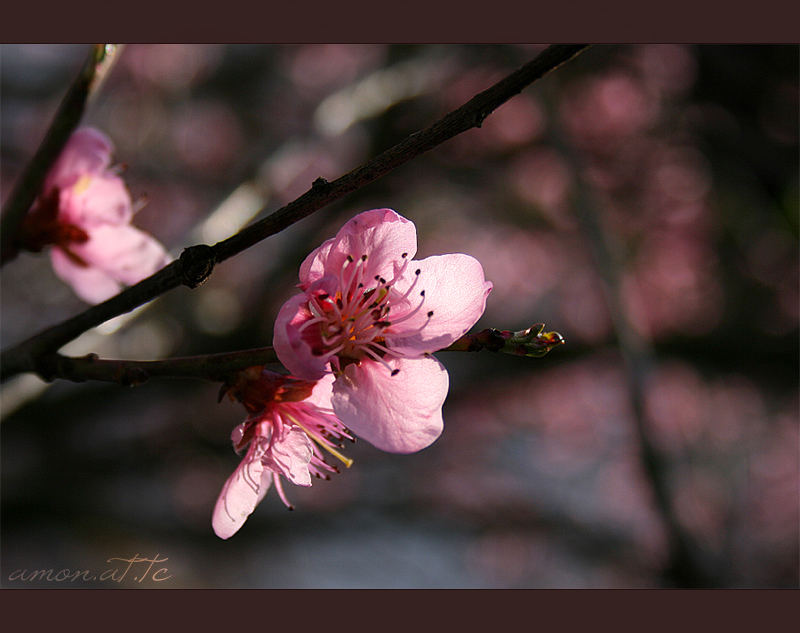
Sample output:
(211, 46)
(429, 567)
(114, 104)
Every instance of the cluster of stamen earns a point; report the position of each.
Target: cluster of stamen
(353, 322)
(320, 425)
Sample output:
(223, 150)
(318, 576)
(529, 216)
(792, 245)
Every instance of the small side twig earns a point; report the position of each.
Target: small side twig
(532, 342)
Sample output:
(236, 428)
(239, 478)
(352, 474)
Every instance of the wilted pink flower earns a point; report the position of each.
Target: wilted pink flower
(285, 415)
(372, 316)
(85, 214)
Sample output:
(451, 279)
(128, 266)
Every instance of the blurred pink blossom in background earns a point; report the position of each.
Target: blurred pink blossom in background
(85, 214)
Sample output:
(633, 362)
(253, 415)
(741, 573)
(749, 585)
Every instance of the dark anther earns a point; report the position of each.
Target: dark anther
(339, 303)
(363, 258)
(360, 285)
(404, 255)
(323, 296)
(350, 258)
(377, 277)
(395, 372)
(422, 293)
(417, 271)
(196, 264)
(430, 314)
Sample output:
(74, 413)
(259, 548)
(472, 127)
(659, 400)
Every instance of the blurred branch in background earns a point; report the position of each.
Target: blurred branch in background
(687, 565)
(197, 262)
(98, 63)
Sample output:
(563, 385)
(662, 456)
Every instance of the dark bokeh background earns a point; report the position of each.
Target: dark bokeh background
(681, 160)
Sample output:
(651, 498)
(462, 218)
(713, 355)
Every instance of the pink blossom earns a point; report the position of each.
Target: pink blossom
(289, 421)
(85, 214)
(372, 315)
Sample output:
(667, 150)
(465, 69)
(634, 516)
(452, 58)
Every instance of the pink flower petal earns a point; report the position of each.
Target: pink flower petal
(90, 284)
(290, 456)
(293, 351)
(322, 393)
(98, 200)
(313, 267)
(88, 151)
(125, 253)
(400, 413)
(240, 495)
(381, 234)
(455, 291)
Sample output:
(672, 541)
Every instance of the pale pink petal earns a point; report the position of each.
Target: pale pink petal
(96, 200)
(313, 267)
(240, 495)
(292, 349)
(290, 456)
(123, 252)
(322, 393)
(455, 291)
(399, 414)
(381, 234)
(89, 283)
(87, 152)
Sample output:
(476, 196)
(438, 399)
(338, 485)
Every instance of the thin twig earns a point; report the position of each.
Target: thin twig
(532, 342)
(215, 367)
(66, 119)
(197, 262)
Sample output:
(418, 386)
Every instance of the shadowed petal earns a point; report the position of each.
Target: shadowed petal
(292, 349)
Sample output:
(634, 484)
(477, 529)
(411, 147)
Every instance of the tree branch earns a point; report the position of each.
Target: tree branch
(66, 119)
(532, 342)
(196, 263)
(215, 367)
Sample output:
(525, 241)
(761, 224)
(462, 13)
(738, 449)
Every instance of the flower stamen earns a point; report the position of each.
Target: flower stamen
(321, 442)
